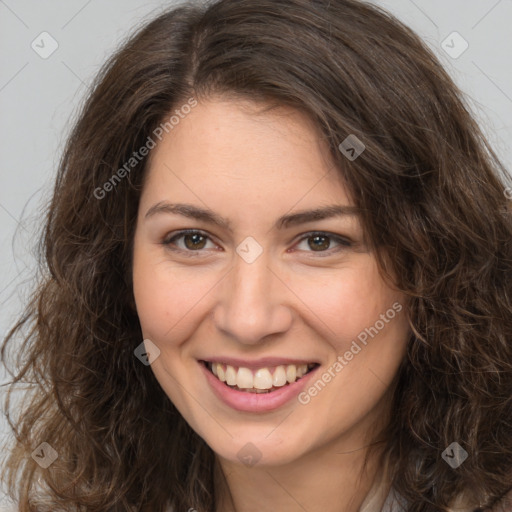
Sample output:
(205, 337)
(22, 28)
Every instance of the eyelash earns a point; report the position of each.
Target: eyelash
(344, 243)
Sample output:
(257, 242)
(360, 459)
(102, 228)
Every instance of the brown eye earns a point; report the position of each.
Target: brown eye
(188, 242)
(194, 241)
(323, 243)
(319, 242)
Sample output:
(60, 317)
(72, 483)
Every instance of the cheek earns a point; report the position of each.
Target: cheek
(345, 303)
(167, 297)
(155, 295)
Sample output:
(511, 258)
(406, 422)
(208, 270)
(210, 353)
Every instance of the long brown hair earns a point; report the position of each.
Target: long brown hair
(433, 196)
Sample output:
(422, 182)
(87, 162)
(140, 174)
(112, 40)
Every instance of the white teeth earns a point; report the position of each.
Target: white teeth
(230, 375)
(262, 379)
(279, 377)
(244, 378)
(291, 373)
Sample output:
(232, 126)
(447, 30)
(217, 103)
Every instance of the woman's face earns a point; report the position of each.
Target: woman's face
(266, 295)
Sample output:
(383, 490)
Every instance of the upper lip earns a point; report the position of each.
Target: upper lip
(257, 363)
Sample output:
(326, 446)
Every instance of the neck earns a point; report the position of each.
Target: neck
(334, 481)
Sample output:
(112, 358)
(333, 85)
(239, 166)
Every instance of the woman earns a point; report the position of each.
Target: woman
(279, 269)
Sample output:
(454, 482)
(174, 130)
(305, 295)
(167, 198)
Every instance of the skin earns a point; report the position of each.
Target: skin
(294, 300)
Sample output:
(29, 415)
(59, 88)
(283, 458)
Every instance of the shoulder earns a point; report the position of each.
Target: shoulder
(383, 498)
(462, 504)
(396, 503)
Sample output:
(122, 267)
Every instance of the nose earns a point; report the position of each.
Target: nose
(252, 302)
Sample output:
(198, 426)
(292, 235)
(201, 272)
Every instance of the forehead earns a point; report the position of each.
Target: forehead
(236, 149)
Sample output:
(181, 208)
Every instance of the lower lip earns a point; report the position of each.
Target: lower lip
(255, 402)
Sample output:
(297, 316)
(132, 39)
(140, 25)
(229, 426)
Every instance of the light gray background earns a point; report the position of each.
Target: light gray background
(39, 97)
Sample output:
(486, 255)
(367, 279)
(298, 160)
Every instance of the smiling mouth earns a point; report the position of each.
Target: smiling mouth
(260, 380)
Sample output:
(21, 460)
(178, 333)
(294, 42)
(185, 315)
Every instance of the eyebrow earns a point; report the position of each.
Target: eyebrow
(288, 220)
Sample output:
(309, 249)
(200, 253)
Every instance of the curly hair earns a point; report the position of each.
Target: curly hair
(432, 193)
